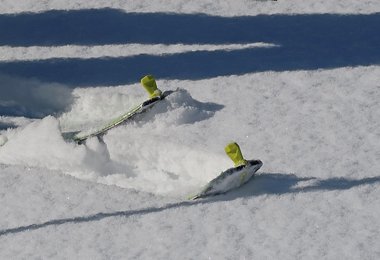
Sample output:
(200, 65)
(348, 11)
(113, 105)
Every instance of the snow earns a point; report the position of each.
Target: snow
(295, 83)
(30, 97)
(217, 7)
(9, 53)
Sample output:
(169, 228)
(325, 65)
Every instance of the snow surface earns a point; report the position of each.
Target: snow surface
(216, 7)
(122, 50)
(295, 83)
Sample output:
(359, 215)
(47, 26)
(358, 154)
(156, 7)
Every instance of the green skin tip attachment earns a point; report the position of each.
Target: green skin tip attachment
(149, 84)
(233, 151)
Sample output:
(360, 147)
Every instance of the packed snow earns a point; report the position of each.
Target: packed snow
(295, 83)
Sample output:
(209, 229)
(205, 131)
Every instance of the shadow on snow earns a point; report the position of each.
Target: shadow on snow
(6, 125)
(267, 183)
(280, 184)
(307, 42)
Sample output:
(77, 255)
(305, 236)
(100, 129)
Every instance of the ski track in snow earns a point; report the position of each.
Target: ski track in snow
(316, 129)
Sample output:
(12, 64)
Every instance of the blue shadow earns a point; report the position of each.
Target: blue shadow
(112, 26)
(307, 42)
(6, 125)
(282, 183)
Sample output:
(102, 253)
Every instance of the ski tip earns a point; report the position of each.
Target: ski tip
(150, 85)
(233, 151)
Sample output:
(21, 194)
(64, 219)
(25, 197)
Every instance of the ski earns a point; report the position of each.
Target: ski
(149, 83)
(232, 178)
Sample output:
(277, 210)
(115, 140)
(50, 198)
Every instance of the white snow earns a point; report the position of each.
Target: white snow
(314, 124)
(8, 53)
(217, 7)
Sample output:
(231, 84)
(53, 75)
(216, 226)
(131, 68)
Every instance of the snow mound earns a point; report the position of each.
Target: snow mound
(40, 144)
(93, 107)
(180, 108)
(160, 152)
(146, 154)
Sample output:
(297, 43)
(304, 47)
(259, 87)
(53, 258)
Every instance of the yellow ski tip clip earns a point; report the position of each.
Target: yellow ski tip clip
(233, 151)
(149, 84)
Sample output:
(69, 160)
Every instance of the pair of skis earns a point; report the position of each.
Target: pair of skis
(230, 179)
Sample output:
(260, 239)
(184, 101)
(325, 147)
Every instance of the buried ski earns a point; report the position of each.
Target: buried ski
(232, 178)
(155, 94)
